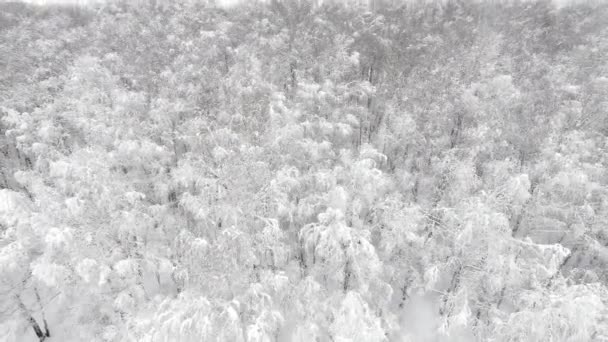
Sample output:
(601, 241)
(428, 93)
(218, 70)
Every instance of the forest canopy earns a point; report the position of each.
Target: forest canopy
(297, 171)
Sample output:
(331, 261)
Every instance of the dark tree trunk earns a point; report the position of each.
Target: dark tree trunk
(42, 335)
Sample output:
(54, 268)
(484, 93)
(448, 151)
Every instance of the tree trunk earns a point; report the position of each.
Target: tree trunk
(42, 335)
(453, 287)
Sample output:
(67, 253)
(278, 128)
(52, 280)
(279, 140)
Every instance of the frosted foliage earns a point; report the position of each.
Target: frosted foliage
(14, 207)
(303, 170)
(369, 152)
(13, 261)
(566, 314)
(431, 276)
(338, 252)
(355, 322)
(519, 189)
(58, 239)
(184, 318)
(50, 274)
(87, 269)
(338, 199)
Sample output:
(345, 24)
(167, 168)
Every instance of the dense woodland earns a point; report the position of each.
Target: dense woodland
(295, 171)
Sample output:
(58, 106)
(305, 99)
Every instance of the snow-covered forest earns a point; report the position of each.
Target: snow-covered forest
(292, 170)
